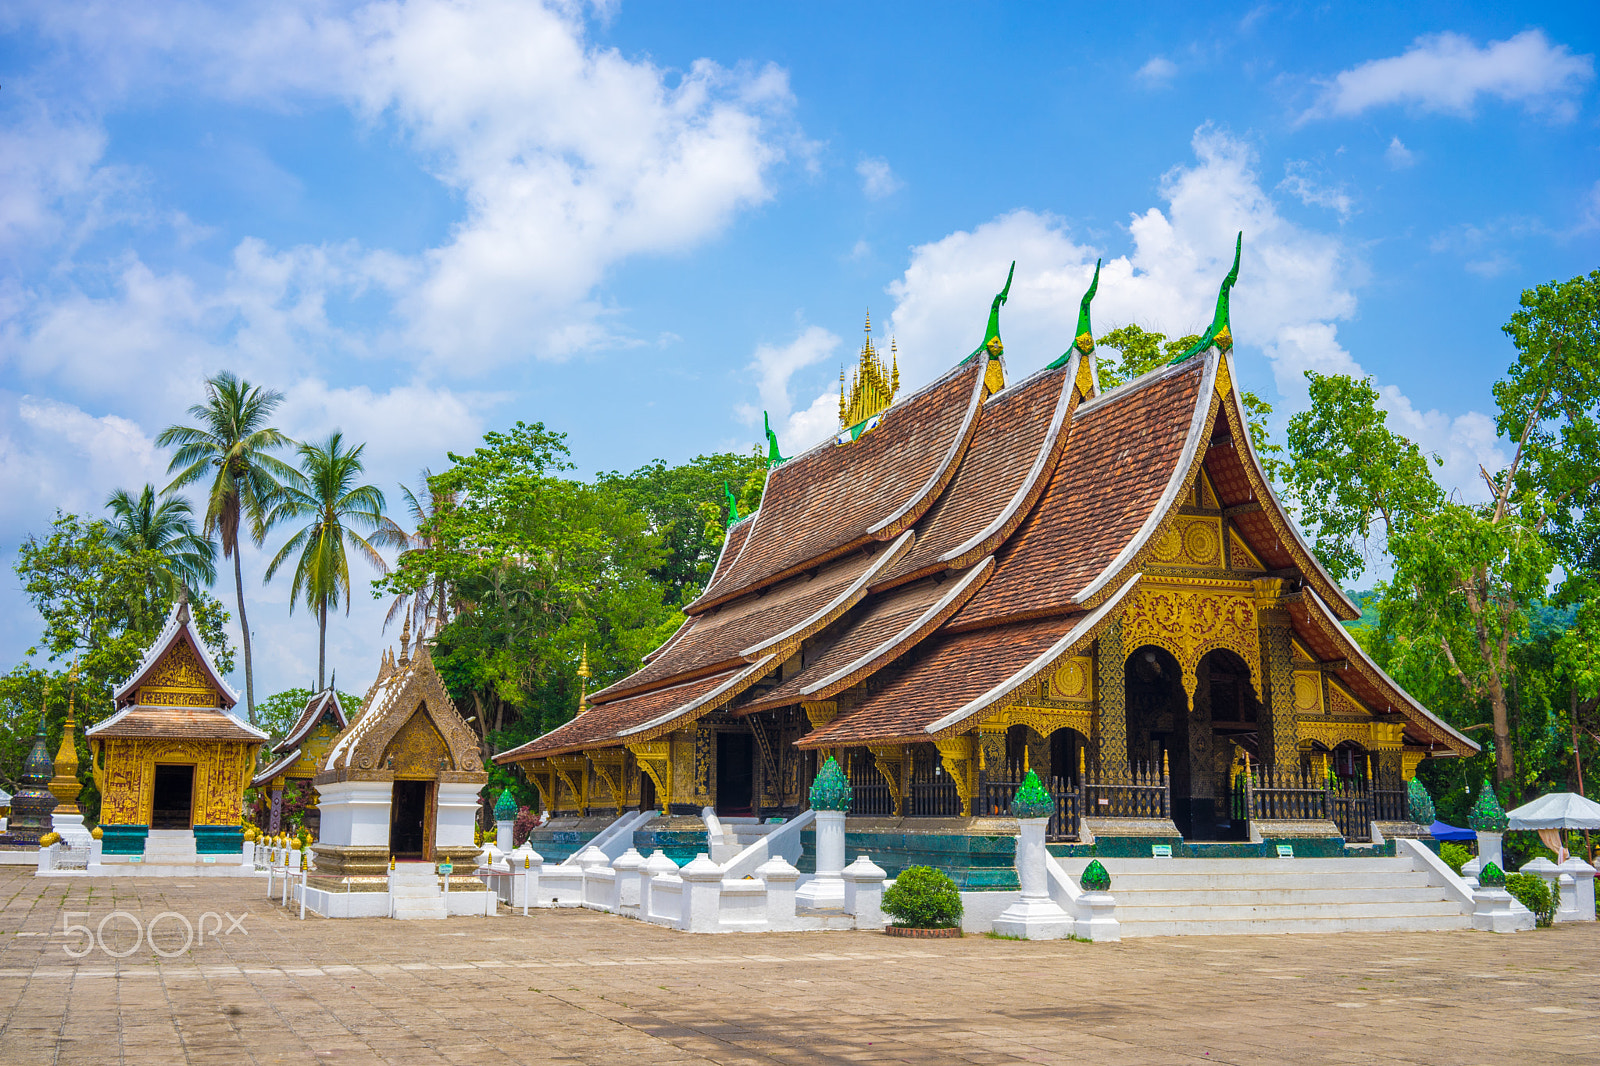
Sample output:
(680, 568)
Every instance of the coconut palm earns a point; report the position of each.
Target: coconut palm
(426, 605)
(231, 446)
(165, 526)
(325, 492)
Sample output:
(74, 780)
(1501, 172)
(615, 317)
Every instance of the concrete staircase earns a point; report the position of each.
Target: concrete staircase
(414, 891)
(1175, 897)
(171, 847)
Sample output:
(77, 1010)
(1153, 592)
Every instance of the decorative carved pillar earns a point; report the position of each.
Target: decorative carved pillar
(1387, 745)
(1111, 708)
(991, 756)
(1277, 662)
(960, 758)
(655, 760)
(1409, 761)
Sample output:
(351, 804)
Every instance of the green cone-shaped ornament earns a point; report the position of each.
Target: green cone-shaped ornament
(1095, 878)
(1419, 802)
(1491, 876)
(1487, 815)
(505, 808)
(831, 790)
(1031, 800)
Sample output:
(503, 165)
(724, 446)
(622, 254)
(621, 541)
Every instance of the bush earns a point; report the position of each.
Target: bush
(527, 821)
(923, 898)
(1533, 892)
(1455, 856)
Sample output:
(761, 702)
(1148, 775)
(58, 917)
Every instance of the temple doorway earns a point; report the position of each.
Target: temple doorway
(408, 820)
(647, 792)
(736, 776)
(173, 803)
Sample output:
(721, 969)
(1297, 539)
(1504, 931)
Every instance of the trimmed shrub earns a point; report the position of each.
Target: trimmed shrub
(1455, 856)
(527, 821)
(1533, 892)
(923, 898)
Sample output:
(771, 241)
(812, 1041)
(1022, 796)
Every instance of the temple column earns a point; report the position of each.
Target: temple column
(991, 762)
(277, 805)
(1277, 664)
(1111, 709)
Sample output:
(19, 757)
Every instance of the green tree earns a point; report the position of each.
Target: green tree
(687, 509)
(232, 446)
(1466, 577)
(427, 606)
(166, 527)
(101, 605)
(326, 493)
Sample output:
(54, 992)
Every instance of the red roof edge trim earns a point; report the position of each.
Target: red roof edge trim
(1079, 635)
(1319, 613)
(1309, 563)
(923, 498)
(1182, 471)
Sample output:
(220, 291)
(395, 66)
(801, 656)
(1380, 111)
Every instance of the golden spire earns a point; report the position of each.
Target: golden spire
(64, 786)
(405, 641)
(874, 385)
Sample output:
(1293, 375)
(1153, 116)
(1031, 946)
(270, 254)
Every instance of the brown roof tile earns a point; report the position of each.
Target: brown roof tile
(603, 724)
(1000, 476)
(310, 714)
(738, 631)
(950, 671)
(885, 629)
(732, 544)
(186, 723)
(820, 504)
(1120, 457)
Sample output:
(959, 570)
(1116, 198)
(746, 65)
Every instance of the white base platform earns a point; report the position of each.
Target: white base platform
(30, 857)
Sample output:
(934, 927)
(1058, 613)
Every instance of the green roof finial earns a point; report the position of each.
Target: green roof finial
(774, 457)
(991, 334)
(505, 808)
(1220, 332)
(733, 504)
(1082, 338)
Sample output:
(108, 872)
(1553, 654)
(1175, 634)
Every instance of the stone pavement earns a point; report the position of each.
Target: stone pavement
(580, 987)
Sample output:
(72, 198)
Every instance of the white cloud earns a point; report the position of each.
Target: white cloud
(1589, 212)
(1398, 156)
(877, 179)
(1298, 183)
(1157, 73)
(1295, 287)
(1447, 72)
(774, 367)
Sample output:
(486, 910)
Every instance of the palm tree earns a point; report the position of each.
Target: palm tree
(166, 527)
(231, 445)
(326, 493)
(427, 603)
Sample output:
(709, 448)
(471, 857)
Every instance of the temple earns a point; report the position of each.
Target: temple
(399, 782)
(299, 754)
(988, 575)
(171, 763)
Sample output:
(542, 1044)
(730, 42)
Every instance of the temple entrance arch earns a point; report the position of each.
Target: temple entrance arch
(1157, 706)
(172, 802)
(1068, 756)
(736, 773)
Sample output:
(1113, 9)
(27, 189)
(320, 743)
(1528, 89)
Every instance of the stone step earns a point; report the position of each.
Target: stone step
(1133, 912)
(1271, 896)
(1282, 881)
(406, 908)
(1240, 866)
(1263, 926)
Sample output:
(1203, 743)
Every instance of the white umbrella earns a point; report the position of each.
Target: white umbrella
(1559, 810)
(1548, 815)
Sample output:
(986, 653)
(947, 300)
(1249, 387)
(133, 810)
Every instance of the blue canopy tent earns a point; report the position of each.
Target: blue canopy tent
(1440, 831)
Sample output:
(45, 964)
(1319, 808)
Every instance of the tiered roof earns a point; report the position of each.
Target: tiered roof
(965, 545)
(176, 692)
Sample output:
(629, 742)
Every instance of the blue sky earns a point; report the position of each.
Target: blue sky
(643, 224)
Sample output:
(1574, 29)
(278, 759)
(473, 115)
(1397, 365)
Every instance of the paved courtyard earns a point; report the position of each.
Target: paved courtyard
(576, 986)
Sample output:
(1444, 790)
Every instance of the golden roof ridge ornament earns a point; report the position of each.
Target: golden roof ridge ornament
(871, 389)
(583, 679)
(405, 641)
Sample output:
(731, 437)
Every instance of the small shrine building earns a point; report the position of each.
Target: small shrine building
(300, 754)
(402, 780)
(987, 575)
(171, 758)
